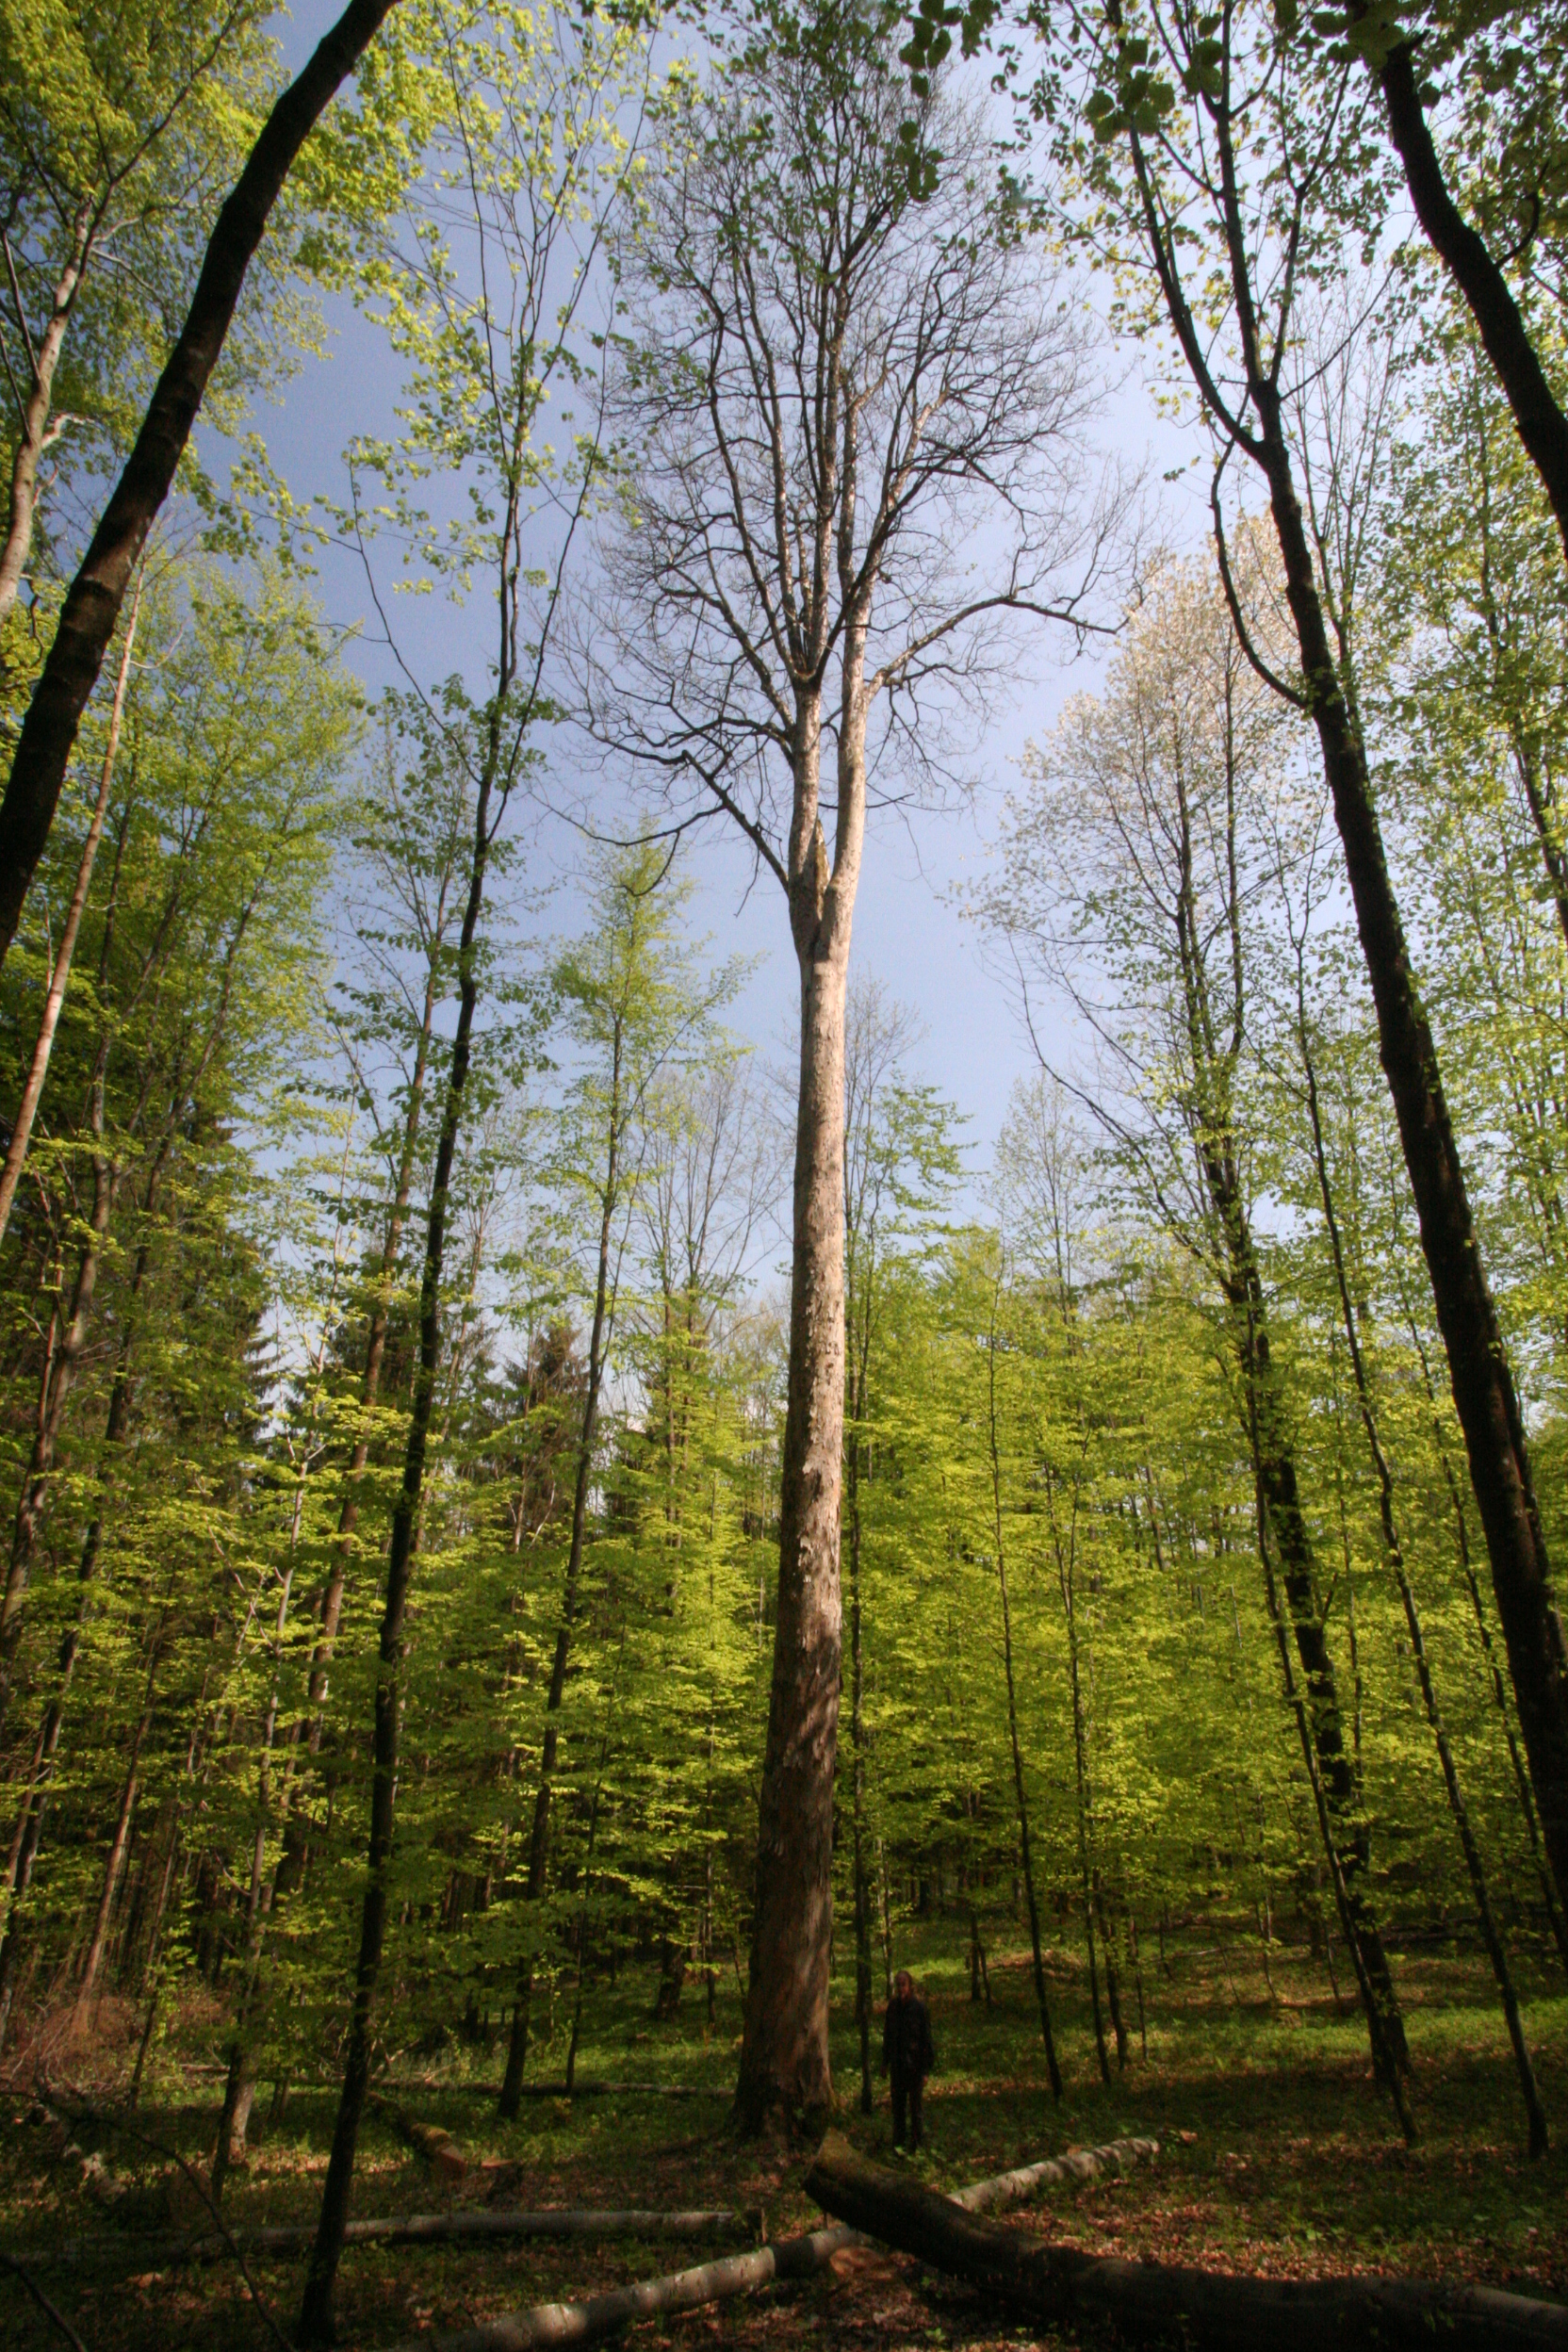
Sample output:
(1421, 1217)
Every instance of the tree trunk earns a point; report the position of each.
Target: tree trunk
(1541, 425)
(21, 1126)
(93, 603)
(609, 2313)
(1555, 1916)
(857, 1779)
(35, 435)
(539, 1841)
(1485, 1398)
(1384, 2058)
(315, 2320)
(1154, 2302)
(1484, 1394)
(1020, 1794)
(115, 1863)
(784, 2058)
(1393, 1553)
(61, 1361)
(1065, 1566)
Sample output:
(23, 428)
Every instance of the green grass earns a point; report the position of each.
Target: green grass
(1277, 2152)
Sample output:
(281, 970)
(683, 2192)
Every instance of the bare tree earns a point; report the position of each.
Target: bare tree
(858, 421)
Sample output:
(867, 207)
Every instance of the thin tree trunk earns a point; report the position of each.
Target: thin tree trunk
(315, 2319)
(1393, 1552)
(93, 603)
(1484, 1394)
(21, 1126)
(857, 1770)
(539, 1841)
(1485, 1398)
(1065, 1564)
(61, 1365)
(1019, 1796)
(36, 433)
(1113, 1982)
(1499, 1689)
(1386, 2061)
(115, 1862)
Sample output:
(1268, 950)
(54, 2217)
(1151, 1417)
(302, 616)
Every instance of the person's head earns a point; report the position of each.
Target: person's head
(904, 1985)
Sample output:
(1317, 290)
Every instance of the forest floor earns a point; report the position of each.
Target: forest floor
(1277, 2155)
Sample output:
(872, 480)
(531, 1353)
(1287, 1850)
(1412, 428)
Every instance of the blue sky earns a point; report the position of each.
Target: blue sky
(909, 929)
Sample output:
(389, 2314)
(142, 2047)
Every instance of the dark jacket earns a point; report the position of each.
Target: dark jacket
(908, 2049)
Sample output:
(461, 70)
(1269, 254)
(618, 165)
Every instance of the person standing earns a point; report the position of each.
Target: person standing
(908, 2055)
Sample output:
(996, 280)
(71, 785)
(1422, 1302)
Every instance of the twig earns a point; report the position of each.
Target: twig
(10, 2262)
(118, 2123)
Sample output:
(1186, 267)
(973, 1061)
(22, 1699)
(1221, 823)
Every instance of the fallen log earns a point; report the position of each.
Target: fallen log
(578, 2224)
(1075, 2164)
(608, 2090)
(430, 2141)
(606, 2314)
(601, 2315)
(1156, 2301)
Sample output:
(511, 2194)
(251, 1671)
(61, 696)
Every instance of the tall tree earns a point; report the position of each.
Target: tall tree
(828, 388)
(535, 181)
(634, 1013)
(1134, 881)
(1175, 197)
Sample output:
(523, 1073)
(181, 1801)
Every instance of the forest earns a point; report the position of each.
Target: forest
(623, 1517)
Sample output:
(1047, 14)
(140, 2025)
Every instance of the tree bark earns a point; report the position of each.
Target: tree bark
(784, 2058)
(1156, 2301)
(93, 603)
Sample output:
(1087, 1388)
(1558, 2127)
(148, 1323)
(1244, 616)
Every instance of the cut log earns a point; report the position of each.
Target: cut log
(601, 2315)
(562, 2222)
(604, 2090)
(432, 2141)
(606, 2314)
(1077, 2163)
(1157, 2302)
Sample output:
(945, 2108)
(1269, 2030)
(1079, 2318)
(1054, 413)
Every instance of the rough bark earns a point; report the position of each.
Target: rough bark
(784, 2061)
(93, 603)
(1157, 2302)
